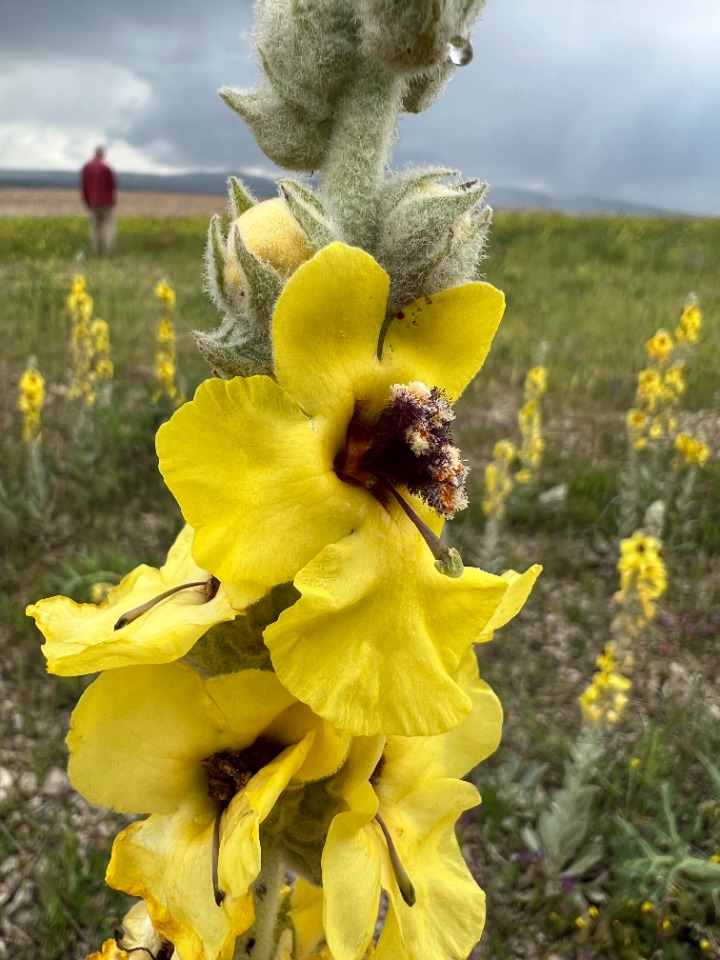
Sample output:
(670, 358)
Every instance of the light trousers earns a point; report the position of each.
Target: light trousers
(102, 230)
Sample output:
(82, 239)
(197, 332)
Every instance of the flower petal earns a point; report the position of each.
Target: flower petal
(409, 760)
(135, 735)
(443, 339)
(325, 330)
(81, 637)
(254, 476)
(373, 641)
(514, 598)
(167, 860)
(351, 885)
(240, 855)
(448, 916)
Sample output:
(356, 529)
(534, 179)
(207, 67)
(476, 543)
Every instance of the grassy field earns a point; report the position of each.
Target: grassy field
(585, 294)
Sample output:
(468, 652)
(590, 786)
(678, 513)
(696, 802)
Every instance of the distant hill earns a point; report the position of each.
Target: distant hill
(500, 196)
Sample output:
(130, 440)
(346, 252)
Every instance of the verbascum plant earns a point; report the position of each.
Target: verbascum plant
(662, 460)
(564, 828)
(165, 367)
(80, 306)
(499, 484)
(532, 443)
(31, 400)
(293, 698)
(103, 368)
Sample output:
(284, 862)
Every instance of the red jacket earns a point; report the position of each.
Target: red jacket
(98, 184)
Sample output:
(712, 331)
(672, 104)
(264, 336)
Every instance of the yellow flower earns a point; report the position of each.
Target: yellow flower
(137, 936)
(648, 907)
(278, 481)
(208, 760)
(398, 835)
(84, 637)
(660, 346)
(524, 476)
(692, 449)
(165, 294)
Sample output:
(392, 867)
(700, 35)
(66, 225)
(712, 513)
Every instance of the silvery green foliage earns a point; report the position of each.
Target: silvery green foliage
(311, 52)
(414, 36)
(309, 213)
(308, 52)
(433, 230)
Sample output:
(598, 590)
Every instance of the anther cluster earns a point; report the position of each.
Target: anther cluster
(412, 447)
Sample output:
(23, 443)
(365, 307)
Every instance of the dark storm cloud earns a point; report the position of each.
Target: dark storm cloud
(617, 99)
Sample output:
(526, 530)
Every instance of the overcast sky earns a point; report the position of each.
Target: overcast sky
(615, 99)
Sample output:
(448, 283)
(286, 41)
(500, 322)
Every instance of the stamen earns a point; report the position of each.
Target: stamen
(211, 588)
(407, 890)
(217, 892)
(447, 559)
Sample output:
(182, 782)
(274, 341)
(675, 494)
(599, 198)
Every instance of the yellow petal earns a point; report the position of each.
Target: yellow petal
(514, 598)
(377, 633)
(351, 884)
(139, 734)
(167, 860)
(81, 637)
(254, 476)
(306, 914)
(325, 330)
(443, 339)
(409, 760)
(240, 855)
(330, 746)
(448, 916)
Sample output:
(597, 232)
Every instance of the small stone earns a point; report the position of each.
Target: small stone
(27, 783)
(6, 783)
(55, 783)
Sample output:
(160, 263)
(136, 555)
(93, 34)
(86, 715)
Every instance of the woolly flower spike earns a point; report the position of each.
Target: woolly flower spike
(688, 330)
(606, 697)
(80, 305)
(151, 616)
(397, 834)
(31, 399)
(642, 572)
(498, 479)
(208, 761)
(283, 481)
(165, 351)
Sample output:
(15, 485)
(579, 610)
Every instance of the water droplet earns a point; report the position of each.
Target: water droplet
(459, 51)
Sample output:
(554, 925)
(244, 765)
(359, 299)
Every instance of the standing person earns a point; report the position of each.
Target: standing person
(98, 186)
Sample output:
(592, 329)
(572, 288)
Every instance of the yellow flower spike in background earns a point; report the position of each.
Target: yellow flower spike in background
(688, 329)
(208, 761)
(84, 637)
(165, 355)
(281, 464)
(400, 827)
(31, 400)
